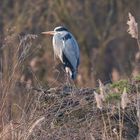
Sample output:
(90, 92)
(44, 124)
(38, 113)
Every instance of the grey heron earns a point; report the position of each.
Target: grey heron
(65, 48)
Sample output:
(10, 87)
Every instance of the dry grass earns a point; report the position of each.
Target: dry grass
(16, 101)
(63, 112)
(67, 112)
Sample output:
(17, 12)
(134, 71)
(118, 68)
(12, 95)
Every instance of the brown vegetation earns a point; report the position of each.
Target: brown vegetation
(35, 102)
(99, 27)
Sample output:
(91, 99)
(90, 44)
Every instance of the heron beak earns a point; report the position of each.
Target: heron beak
(48, 33)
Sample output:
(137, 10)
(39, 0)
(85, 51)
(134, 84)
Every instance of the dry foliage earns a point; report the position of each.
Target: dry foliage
(98, 99)
(29, 111)
(97, 25)
(124, 99)
(133, 26)
(102, 90)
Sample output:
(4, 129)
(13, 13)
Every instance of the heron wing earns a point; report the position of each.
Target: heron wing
(71, 50)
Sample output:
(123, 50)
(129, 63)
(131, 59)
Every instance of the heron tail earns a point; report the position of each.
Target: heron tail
(71, 73)
(74, 74)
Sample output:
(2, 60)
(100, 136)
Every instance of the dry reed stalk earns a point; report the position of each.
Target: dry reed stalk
(133, 28)
(92, 137)
(14, 54)
(124, 99)
(98, 99)
(34, 125)
(138, 110)
(9, 132)
(102, 90)
(133, 31)
(105, 135)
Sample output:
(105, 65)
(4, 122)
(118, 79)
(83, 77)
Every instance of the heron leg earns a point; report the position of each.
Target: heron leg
(67, 79)
(67, 72)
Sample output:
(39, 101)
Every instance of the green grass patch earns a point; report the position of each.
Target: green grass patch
(120, 85)
(113, 97)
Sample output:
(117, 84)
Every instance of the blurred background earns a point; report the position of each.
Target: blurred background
(107, 51)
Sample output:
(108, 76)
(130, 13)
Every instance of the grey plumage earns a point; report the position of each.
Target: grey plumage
(66, 49)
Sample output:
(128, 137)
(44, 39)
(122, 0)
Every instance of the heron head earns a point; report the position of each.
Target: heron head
(56, 30)
(60, 28)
